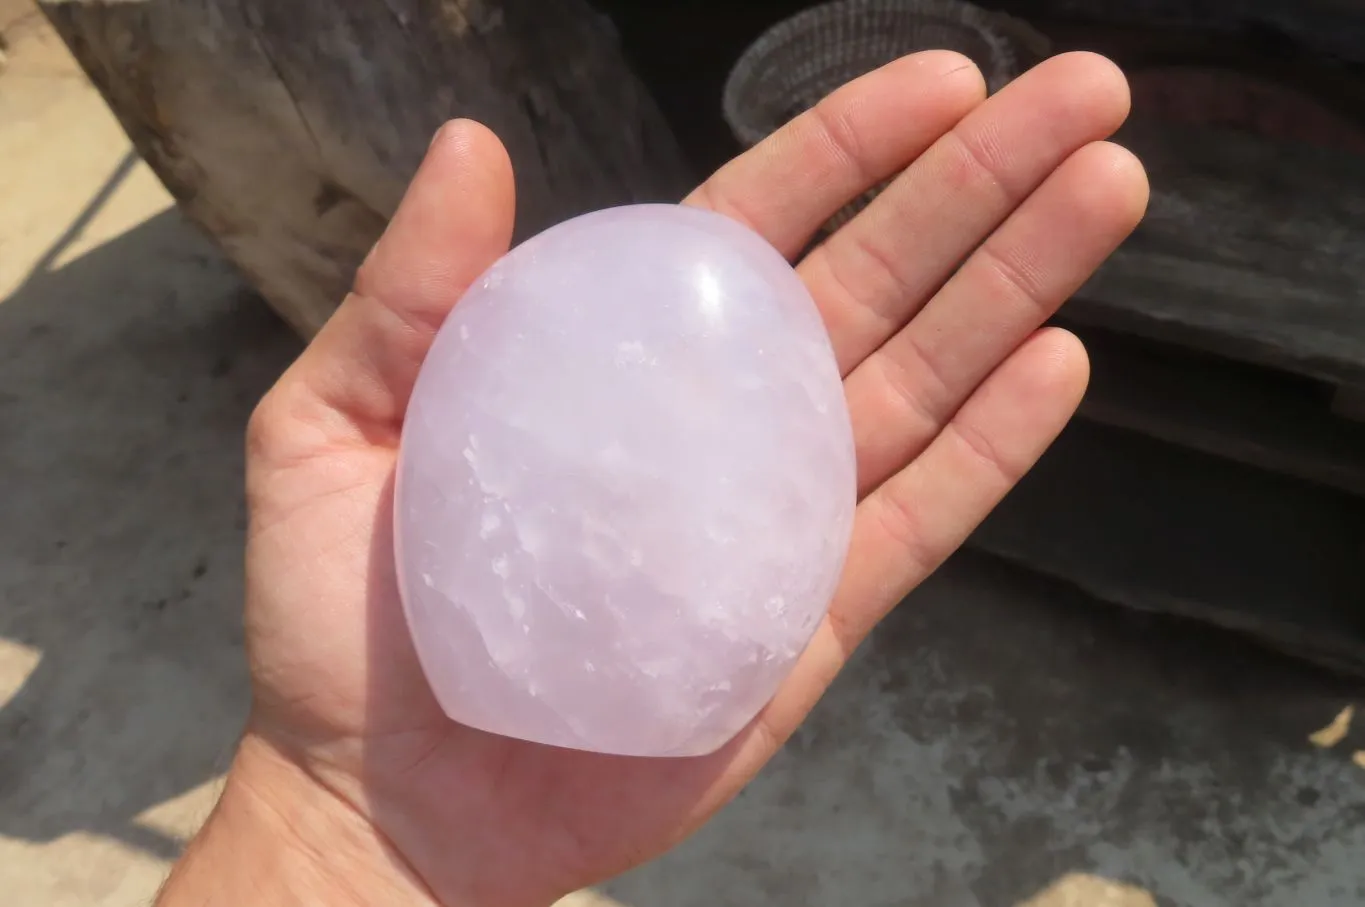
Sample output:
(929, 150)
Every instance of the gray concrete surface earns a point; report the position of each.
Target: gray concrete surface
(1001, 742)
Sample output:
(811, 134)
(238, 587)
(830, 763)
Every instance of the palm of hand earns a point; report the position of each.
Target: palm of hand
(953, 389)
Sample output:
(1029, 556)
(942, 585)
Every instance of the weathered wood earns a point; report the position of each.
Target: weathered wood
(1349, 403)
(1251, 415)
(289, 130)
(1331, 27)
(1250, 247)
(1154, 527)
(1251, 250)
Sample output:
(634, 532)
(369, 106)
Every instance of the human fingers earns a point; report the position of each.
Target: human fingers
(902, 395)
(790, 184)
(353, 381)
(878, 271)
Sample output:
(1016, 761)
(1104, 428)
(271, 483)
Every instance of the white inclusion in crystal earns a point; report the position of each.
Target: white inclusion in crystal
(489, 523)
(531, 539)
(717, 535)
(501, 567)
(775, 606)
(429, 580)
(517, 605)
(464, 332)
(631, 352)
(602, 542)
(614, 455)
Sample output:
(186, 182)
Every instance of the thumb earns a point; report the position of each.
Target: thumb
(455, 220)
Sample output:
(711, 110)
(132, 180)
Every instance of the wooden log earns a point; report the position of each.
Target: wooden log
(1334, 28)
(288, 131)
(1250, 250)
(1257, 416)
(1349, 402)
(1155, 527)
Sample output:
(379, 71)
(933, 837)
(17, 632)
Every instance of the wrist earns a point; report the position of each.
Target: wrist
(279, 838)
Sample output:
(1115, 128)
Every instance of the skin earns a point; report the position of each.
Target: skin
(350, 785)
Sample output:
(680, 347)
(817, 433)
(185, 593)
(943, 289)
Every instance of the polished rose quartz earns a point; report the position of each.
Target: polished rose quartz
(626, 486)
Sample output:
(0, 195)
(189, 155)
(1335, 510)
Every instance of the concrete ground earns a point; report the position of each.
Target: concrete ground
(1001, 742)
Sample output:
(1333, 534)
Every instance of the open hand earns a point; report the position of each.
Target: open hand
(933, 297)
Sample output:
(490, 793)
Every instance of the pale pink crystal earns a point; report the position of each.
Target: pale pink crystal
(626, 486)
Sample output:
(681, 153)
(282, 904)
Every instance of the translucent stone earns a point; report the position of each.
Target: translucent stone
(626, 486)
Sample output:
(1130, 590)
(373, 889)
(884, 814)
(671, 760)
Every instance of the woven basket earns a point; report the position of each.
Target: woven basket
(802, 59)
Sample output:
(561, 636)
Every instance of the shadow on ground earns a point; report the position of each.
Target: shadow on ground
(1000, 741)
(126, 378)
(1003, 741)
